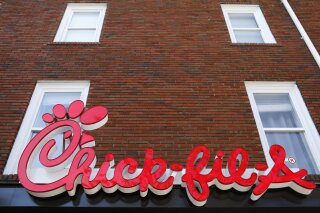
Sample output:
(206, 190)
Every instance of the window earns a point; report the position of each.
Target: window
(282, 118)
(246, 24)
(45, 96)
(81, 23)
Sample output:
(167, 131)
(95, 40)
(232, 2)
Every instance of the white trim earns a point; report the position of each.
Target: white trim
(81, 7)
(256, 11)
(308, 127)
(302, 32)
(284, 129)
(30, 116)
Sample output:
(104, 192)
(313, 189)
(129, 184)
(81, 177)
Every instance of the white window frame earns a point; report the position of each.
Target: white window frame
(310, 131)
(80, 7)
(26, 127)
(260, 19)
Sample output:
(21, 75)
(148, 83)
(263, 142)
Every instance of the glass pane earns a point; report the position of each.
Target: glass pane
(248, 36)
(53, 154)
(84, 20)
(276, 111)
(295, 145)
(80, 35)
(243, 20)
(52, 98)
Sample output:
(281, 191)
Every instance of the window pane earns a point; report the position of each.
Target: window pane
(248, 36)
(80, 35)
(53, 154)
(243, 20)
(295, 146)
(276, 111)
(84, 19)
(52, 98)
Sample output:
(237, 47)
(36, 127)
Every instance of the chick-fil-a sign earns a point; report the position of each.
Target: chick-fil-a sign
(127, 177)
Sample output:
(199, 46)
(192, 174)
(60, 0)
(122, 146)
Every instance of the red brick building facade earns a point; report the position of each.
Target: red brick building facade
(167, 70)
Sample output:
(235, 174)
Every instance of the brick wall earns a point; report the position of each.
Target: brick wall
(166, 70)
(308, 13)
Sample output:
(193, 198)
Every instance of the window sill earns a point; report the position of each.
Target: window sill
(74, 43)
(257, 44)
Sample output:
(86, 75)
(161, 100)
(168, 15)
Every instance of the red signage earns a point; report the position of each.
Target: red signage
(127, 177)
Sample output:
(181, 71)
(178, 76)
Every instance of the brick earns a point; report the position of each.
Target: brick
(166, 70)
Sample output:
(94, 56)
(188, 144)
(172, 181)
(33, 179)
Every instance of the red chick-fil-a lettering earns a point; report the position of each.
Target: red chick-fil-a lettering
(78, 160)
